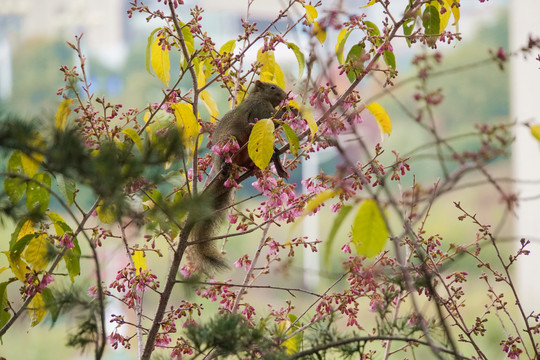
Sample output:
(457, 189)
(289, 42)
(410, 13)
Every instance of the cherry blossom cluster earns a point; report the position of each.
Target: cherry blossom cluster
(34, 285)
(133, 283)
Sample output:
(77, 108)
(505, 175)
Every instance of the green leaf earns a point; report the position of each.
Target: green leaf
(67, 188)
(373, 30)
(24, 227)
(14, 186)
(299, 57)
(388, 56)
(60, 225)
(355, 58)
(291, 138)
(431, 21)
(50, 304)
(16, 248)
(37, 196)
(72, 260)
(4, 313)
(338, 220)
(261, 143)
(389, 59)
(408, 27)
(369, 232)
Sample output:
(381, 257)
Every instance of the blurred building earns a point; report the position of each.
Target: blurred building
(103, 23)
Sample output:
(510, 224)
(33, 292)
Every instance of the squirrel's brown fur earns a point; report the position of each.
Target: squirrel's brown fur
(260, 103)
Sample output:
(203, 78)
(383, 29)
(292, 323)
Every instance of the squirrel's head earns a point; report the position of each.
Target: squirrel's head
(270, 92)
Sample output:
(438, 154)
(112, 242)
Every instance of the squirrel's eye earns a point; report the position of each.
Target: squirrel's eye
(273, 87)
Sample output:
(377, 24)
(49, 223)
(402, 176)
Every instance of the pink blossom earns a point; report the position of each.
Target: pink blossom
(92, 291)
(67, 241)
(46, 280)
(163, 339)
(226, 150)
(346, 249)
(187, 270)
(116, 339)
(233, 218)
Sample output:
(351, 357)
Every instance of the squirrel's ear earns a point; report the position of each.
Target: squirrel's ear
(258, 83)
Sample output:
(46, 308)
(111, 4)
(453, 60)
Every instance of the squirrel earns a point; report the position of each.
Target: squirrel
(260, 103)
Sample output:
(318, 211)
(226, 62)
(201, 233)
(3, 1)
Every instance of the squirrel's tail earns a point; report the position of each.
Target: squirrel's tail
(204, 252)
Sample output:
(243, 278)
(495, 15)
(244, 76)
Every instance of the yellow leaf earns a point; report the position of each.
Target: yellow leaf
(320, 34)
(278, 75)
(382, 118)
(188, 38)
(228, 47)
(369, 232)
(535, 131)
(210, 104)
(139, 260)
(187, 123)
(106, 214)
(161, 120)
(135, 137)
(455, 12)
(267, 76)
(17, 266)
(307, 114)
(201, 77)
(294, 143)
(444, 16)
(159, 58)
(62, 113)
(270, 70)
(341, 39)
(261, 143)
(37, 252)
(292, 345)
(320, 198)
(311, 13)
(372, 2)
(37, 309)
(299, 56)
(26, 228)
(32, 162)
(315, 202)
